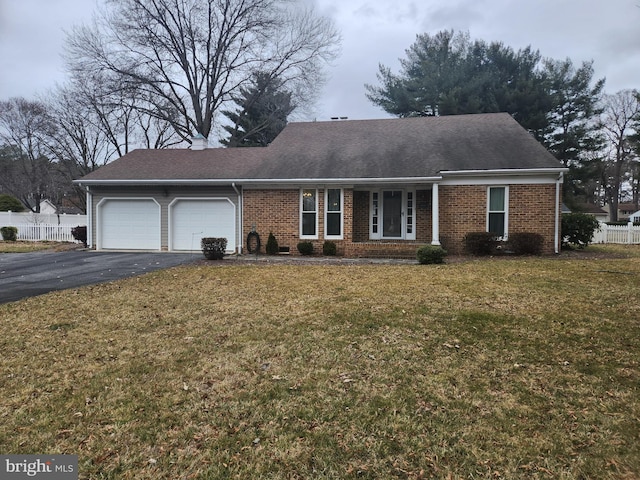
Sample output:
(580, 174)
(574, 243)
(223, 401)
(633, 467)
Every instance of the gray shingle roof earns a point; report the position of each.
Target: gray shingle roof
(350, 149)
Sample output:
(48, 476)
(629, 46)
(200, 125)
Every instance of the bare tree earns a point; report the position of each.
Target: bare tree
(80, 145)
(187, 57)
(621, 111)
(26, 127)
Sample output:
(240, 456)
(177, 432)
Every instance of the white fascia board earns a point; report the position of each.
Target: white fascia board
(155, 182)
(504, 171)
(502, 176)
(262, 181)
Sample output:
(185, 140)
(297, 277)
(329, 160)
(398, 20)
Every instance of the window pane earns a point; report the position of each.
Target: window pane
(374, 212)
(496, 223)
(308, 200)
(409, 213)
(308, 224)
(333, 200)
(333, 224)
(496, 199)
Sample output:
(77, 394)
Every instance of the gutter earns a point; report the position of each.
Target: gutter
(503, 171)
(259, 181)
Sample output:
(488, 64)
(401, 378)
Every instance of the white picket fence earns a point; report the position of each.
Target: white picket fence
(45, 232)
(35, 227)
(629, 234)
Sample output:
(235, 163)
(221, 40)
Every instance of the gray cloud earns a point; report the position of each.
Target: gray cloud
(373, 31)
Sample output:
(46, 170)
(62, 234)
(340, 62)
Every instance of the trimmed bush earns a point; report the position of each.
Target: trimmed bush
(305, 248)
(525, 243)
(480, 243)
(80, 234)
(578, 229)
(9, 234)
(430, 254)
(329, 248)
(213, 248)
(272, 247)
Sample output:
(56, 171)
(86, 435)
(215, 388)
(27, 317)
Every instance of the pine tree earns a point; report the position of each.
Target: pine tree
(261, 115)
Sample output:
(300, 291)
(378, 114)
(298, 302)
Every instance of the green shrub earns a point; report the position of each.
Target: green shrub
(213, 248)
(80, 234)
(480, 243)
(578, 229)
(272, 247)
(305, 248)
(525, 243)
(9, 234)
(329, 248)
(9, 203)
(431, 254)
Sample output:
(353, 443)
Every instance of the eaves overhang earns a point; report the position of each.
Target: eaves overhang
(258, 181)
(504, 171)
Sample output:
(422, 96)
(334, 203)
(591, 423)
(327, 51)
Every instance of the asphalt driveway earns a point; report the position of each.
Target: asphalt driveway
(28, 274)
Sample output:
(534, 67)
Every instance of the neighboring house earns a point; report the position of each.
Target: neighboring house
(47, 207)
(625, 210)
(374, 187)
(600, 213)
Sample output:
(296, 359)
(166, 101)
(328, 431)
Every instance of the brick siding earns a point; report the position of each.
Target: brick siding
(463, 209)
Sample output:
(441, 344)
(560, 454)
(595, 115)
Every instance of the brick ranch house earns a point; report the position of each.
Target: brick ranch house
(374, 187)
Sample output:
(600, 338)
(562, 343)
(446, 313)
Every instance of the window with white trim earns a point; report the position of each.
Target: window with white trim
(497, 211)
(333, 202)
(308, 213)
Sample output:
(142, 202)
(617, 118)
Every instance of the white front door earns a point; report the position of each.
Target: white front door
(392, 214)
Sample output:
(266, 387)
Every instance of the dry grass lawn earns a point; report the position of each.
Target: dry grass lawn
(25, 247)
(515, 368)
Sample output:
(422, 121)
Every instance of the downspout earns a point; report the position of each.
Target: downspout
(89, 218)
(557, 229)
(239, 242)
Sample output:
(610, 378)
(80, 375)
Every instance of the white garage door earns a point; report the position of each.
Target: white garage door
(129, 224)
(193, 219)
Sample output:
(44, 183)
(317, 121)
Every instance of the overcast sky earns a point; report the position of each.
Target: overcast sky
(373, 32)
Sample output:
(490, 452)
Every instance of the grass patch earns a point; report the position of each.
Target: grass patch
(523, 368)
(25, 247)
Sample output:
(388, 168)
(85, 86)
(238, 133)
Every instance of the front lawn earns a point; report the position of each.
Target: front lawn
(510, 368)
(25, 247)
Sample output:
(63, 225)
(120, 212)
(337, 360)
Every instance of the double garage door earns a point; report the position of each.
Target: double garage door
(136, 224)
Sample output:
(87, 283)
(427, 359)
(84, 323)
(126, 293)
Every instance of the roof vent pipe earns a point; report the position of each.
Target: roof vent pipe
(199, 142)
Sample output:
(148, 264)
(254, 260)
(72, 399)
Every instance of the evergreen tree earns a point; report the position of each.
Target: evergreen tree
(574, 135)
(261, 115)
(448, 74)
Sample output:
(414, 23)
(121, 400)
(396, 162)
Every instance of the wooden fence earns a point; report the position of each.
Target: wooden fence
(629, 234)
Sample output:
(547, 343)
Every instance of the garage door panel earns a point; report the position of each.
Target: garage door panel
(192, 220)
(129, 224)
